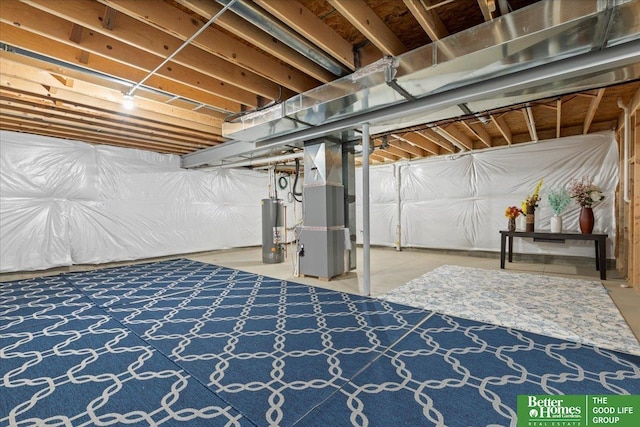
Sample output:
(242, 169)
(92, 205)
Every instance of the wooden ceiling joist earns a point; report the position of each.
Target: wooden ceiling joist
(386, 155)
(235, 97)
(401, 154)
(428, 19)
(238, 26)
(311, 27)
(479, 131)
(435, 138)
(103, 100)
(404, 145)
(593, 107)
(167, 19)
(12, 109)
(422, 142)
(61, 132)
(502, 126)
(368, 23)
(102, 134)
(455, 136)
(37, 106)
(84, 12)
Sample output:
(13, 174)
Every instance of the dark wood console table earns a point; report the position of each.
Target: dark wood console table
(600, 241)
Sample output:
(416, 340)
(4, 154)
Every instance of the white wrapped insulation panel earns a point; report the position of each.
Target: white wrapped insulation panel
(458, 201)
(66, 202)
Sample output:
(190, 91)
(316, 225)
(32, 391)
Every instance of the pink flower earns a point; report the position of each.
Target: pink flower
(585, 192)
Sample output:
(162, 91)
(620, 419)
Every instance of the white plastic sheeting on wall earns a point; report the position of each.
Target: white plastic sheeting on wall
(458, 201)
(66, 202)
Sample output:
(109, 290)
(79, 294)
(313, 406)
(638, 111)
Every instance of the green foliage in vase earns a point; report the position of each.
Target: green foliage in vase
(558, 200)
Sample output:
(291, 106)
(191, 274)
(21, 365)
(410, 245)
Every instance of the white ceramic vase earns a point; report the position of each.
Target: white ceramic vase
(556, 224)
(521, 223)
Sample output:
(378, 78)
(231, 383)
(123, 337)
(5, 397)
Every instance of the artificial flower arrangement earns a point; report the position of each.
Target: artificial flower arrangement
(558, 200)
(512, 212)
(531, 202)
(585, 192)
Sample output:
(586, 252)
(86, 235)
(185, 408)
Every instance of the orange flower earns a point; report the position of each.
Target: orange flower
(512, 212)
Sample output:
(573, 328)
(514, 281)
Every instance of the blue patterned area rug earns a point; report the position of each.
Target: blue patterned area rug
(570, 309)
(182, 342)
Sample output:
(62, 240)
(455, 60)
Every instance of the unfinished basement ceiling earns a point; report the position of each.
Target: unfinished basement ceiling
(66, 66)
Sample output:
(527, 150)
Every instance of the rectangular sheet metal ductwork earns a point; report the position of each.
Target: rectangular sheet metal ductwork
(541, 33)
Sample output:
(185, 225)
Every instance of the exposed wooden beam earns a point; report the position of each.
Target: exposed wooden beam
(387, 155)
(107, 133)
(409, 148)
(479, 131)
(421, 141)
(30, 109)
(593, 108)
(368, 23)
(428, 19)
(432, 136)
(406, 145)
(455, 136)
(151, 40)
(80, 137)
(373, 157)
(230, 97)
(170, 20)
(303, 21)
(502, 126)
(402, 154)
(238, 26)
(85, 95)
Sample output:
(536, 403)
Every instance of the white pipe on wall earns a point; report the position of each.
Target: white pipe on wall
(625, 166)
(397, 173)
(366, 226)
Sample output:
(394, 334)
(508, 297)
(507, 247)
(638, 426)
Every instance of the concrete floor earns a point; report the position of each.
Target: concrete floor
(390, 269)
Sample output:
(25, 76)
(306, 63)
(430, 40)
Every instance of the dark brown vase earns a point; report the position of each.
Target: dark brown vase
(586, 220)
(531, 219)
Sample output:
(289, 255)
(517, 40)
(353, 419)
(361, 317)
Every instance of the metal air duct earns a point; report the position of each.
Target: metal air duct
(548, 49)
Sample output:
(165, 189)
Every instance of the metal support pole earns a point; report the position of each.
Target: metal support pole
(366, 226)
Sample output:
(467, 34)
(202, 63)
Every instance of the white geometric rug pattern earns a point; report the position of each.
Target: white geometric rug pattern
(571, 309)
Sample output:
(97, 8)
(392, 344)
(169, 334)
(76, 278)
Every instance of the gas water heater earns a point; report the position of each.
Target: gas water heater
(272, 231)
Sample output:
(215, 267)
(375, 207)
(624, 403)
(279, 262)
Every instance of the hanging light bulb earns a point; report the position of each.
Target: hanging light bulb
(127, 102)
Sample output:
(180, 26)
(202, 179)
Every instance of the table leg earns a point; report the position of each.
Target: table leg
(503, 242)
(510, 248)
(597, 243)
(602, 258)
